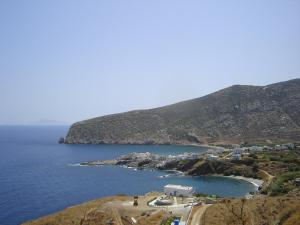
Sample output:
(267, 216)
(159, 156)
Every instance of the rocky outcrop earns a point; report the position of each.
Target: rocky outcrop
(147, 160)
(61, 140)
(254, 114)
(189, 163)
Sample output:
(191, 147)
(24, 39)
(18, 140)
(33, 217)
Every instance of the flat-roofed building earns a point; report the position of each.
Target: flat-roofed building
(236, 157)
(212, 157)
(255, 149)
(178, 190)
(238, 150)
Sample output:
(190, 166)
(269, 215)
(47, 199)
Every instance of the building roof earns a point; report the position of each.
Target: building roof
(179, 187)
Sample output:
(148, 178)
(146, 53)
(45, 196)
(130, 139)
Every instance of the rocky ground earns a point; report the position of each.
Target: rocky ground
(146, 161)
(189, 163)
(117, 210)
(282, 210)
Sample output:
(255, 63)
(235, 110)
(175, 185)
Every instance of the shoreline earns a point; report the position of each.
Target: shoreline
(171, 144)
(256, 182)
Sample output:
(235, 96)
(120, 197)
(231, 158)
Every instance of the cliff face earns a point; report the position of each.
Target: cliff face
(236, 114)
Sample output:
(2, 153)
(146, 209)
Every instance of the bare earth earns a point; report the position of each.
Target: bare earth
(283, 210)
(197, 213)
(118, 210)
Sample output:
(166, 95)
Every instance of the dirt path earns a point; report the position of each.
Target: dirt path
(269, 177)
(117, 216)
(197, 214)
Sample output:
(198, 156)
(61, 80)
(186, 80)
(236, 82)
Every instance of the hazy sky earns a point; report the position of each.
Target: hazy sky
(71, 60)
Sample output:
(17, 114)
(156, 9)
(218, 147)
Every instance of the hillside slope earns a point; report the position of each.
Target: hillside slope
(236, 114)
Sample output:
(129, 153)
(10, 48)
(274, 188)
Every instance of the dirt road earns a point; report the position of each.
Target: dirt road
(269, 177)
(197, 213)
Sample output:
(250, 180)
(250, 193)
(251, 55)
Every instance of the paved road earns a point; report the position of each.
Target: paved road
(197, 214)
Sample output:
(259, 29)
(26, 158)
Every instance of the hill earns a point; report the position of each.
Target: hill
(284, 210)
(240, 113)
(110, 210)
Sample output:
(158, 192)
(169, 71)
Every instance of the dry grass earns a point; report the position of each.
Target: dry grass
(104, 211)
(284, 210)
(90, 213)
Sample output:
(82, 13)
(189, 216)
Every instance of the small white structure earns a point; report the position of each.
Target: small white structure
(255, 149)
(290, 145)
(281, 147)
(238, 150)
(236, 156)
(178, 190)
(267, 148)
(297, 181)
(212, 157)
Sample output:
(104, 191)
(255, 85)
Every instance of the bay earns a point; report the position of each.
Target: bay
(36, 178)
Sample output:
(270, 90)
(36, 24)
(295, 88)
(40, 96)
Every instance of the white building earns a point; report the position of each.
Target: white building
(178, 190)
(212, 157)
(238, 151)
(267, 148)
(236, 156)
(255, 149)
(290, 145)
(281, 147)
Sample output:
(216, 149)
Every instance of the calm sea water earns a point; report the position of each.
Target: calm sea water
(36, 179)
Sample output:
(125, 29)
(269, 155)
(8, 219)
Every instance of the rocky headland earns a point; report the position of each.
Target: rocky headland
(238, 114)
(278, 169)
(193, 164)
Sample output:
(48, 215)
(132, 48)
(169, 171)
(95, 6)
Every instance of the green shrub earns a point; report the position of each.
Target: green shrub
(281, 185)
(252, 155)
(184, 161)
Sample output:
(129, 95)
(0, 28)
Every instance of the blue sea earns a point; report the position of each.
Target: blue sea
(36, 178)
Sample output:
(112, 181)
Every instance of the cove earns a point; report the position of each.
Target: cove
(37, 179)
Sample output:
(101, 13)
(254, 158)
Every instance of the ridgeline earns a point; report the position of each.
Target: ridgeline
(237, 114)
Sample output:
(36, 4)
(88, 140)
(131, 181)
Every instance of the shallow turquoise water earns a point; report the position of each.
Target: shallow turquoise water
(36, 178)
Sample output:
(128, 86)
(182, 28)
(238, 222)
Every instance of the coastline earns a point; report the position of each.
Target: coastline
(168, 144)
(256, 182)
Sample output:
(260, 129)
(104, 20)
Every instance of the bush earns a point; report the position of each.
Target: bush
(184, 161)
(281, 185)
(201, 195)
(255, 167)
(248, 161)
(252, 155)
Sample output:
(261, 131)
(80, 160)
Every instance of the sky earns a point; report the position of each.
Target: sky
(72, 60)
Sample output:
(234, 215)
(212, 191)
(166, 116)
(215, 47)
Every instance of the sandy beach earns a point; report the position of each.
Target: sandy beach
(253, 181)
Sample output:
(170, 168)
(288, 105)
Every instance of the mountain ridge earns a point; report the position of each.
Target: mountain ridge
(239, 113)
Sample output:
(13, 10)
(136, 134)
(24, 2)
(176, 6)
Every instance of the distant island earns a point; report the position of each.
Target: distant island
(237, 114)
